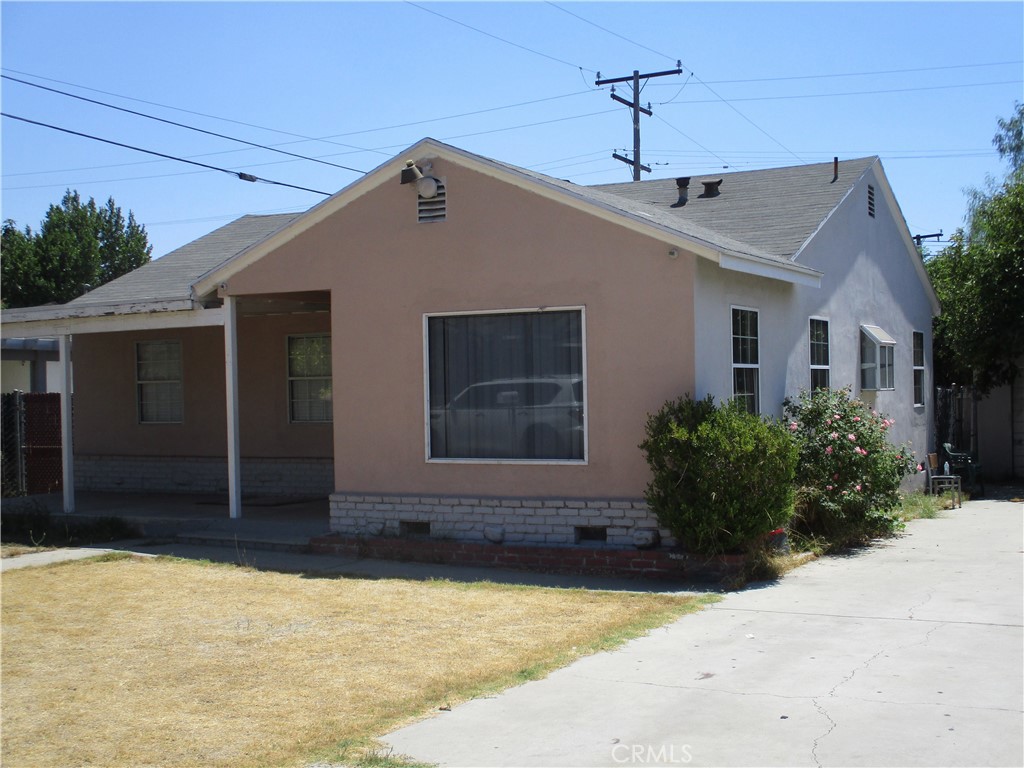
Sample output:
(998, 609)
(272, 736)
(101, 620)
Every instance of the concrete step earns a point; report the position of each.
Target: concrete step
(243, 542)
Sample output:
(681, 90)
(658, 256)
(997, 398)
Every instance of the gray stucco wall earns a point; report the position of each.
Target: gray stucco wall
(870, 278)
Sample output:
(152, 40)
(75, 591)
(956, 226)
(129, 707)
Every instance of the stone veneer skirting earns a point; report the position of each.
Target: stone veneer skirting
(625, 524)
(180, 474)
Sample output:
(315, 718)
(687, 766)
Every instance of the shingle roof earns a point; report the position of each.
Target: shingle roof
(171, 277)
(771, 211)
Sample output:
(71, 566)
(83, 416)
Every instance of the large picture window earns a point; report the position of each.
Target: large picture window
(819, 351)
(309, 378)
(158, 382)
(746, 371)
(506, 386)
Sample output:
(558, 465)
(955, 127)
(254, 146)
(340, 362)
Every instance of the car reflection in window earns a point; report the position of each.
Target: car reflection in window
(512, 419)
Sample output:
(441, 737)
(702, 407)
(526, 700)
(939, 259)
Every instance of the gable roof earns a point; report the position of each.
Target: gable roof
(758, 223)
(775, 210)
(171, 277)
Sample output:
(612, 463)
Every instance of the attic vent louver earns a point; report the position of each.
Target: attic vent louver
(871, 201)
(434, 208)
(683, 186)
(711, 188)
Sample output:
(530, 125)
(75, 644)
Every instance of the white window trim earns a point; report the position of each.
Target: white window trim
(288, 378)
(139, 383)
(519, 462)
(812, 366)
(922, 368)
(734, 365)
(880, 338)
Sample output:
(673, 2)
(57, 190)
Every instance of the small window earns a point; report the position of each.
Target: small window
(745, 356)
(819, 351)
(918, 368)
(876, 358)
(158, 382)
(309, 378)
(871, 201)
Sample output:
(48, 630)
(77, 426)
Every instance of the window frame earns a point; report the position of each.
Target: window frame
(289, 378)
(520, 462)
(882, 362)
(817, 367)
(918, 362)
(141, 384)
(755, 366)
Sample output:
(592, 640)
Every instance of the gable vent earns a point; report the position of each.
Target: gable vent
(432, 208)
(871, 201)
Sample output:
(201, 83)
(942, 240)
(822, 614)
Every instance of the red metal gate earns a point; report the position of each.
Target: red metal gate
(43, 468)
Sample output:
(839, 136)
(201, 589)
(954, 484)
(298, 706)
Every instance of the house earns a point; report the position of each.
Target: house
(458, 347)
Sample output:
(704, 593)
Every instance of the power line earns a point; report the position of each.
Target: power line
(178, 125)
(238, 174)
(843, 93)
(499, 39)
(610, 32)
(861, 74)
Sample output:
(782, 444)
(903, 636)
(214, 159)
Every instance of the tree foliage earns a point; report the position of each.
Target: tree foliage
(979, 338)
(79, 246)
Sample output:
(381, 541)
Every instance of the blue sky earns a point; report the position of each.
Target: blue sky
(764, 84)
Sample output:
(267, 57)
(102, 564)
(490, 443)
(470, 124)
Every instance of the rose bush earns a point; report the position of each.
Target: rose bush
(848, 473)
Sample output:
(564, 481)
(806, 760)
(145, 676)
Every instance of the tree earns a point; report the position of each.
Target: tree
(78, 247)
(979, 338)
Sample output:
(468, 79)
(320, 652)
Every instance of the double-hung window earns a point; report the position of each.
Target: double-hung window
(877, 350)
(309, 378)
(819, 353)
(746, 372)
(158, 382)
(506, 386)
(918, 368)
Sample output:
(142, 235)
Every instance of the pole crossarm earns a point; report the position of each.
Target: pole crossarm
(634, 105)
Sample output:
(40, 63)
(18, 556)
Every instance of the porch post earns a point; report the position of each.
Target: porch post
(231, 381)
(66, 448)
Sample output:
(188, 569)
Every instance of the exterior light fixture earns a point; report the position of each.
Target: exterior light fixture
(426, 186)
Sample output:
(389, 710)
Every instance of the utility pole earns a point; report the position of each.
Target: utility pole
(637, 109)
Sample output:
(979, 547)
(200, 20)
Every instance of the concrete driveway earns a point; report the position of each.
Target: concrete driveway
(905, 654)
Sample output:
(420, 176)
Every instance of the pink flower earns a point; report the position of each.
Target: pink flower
(828, 487)
(856, 418)
(835, 476)
(793, 427)
(828, 450)
(920, 468)
(857, 488)
(834, 436)
(851, 438)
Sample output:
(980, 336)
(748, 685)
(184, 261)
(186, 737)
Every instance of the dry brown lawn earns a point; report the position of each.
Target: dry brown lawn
(163, 662)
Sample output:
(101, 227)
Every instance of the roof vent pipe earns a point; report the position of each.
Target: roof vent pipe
(835, 169)
(711, 188)
(683, 187)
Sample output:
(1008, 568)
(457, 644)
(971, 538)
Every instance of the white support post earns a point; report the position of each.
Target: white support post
(231, 382)
(66, 445)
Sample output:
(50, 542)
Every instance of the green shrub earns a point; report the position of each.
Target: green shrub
(849, 473)
(722, 478)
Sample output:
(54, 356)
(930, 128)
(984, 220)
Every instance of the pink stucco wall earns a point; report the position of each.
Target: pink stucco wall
(501, 247)
(106, 416)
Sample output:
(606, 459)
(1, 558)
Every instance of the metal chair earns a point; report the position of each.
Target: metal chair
(963, 464)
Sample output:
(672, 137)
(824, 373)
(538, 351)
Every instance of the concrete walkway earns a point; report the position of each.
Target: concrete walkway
(905, 654)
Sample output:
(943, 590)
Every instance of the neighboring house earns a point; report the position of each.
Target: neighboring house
(1000, 430)
(474, 354)
(29, 365)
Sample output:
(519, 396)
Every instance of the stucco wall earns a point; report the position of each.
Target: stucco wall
(501, 248)
(869, 278)
(106, 411)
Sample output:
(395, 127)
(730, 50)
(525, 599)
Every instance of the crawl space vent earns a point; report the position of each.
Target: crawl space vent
(432, 208)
